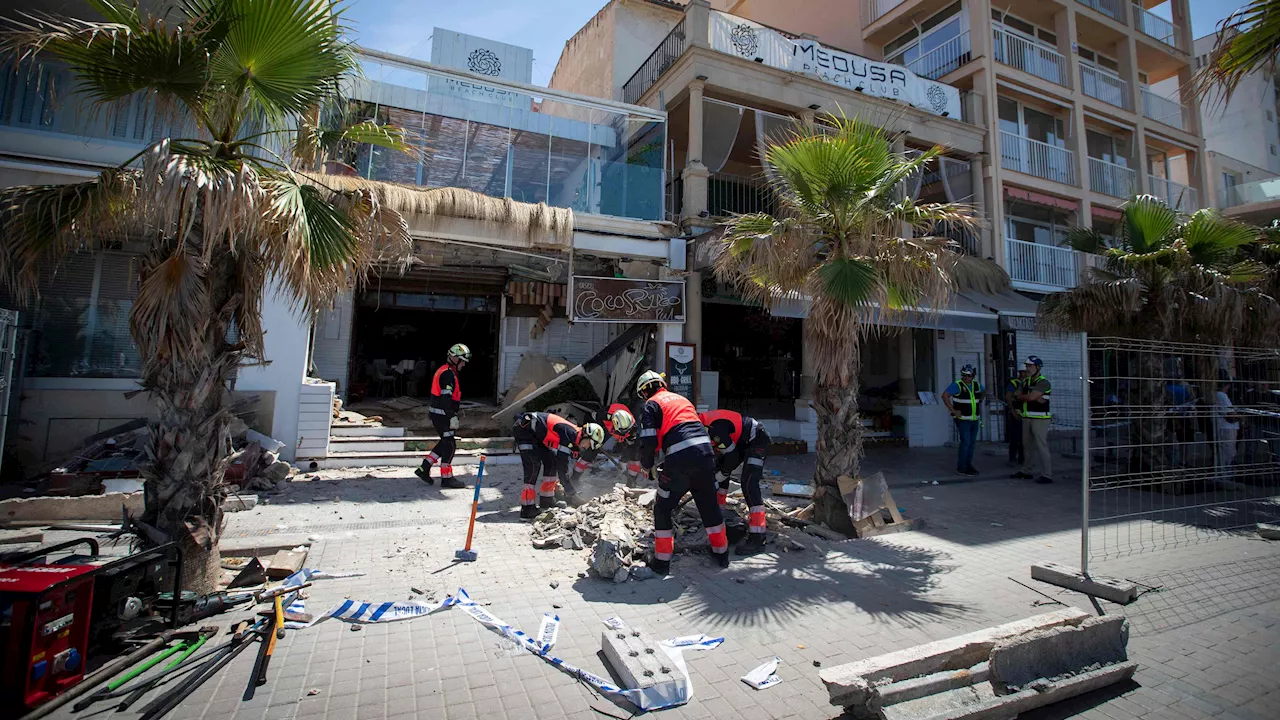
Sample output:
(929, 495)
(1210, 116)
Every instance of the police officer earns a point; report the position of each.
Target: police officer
(1013, 418)
(962, 398)
(549, 441)
(669, 423)
(741, 440)
(446, 395)
(1033, 401)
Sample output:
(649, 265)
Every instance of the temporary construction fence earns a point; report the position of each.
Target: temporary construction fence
(1183, 445)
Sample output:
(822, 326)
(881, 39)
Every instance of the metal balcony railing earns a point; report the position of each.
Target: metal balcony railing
(1175, 195)
(662, 57)
(1153, 25)
(1032, 157)
(1111, 179)
(949, 56)
(1105, 86)
(1028, 56)
(1111, 8)
(875, 9)
(729, 195)
(1163, 110)
(1044, 266)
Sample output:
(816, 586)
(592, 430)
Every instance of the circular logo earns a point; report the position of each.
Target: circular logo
(937, 98)
(484, 62)
(745, 41)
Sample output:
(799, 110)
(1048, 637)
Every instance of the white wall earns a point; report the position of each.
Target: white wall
(1242, 129)
(640, 28)
(331, 349)
(576, 343)
(286, 348)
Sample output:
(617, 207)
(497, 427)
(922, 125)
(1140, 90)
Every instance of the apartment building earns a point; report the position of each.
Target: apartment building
(1243, 140)
(479, 125)
(1049, 110)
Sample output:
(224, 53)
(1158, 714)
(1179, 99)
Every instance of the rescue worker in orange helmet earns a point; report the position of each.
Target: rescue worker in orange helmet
(446, 396)
(741, 440)
(549, 441)
(669, 423)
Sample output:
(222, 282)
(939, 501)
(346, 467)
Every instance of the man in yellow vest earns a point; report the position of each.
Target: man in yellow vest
(962, 398)
(1033, 402)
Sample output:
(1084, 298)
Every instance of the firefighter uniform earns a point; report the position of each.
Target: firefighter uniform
(446, 395)
(547, 442)
(628, 450)
(740, 440)
(670, 424)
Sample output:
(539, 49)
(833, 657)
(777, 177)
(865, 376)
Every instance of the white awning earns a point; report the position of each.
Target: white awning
(960, 314)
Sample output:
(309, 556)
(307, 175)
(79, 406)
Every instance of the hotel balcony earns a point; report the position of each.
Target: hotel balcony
(1042, 268)
(1111, 179)
(1177, 196)
(1106, 86)
(1029, 56)
(1033, 157)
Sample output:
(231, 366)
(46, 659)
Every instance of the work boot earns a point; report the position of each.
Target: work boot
(661, 567)
(529, 512)
(424, 473)
(753, 545)
(721, 559)
(452, 483)
(545, 503)
(1044, 480)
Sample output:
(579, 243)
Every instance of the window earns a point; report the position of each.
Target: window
(1023, 27)
(1106, 148)
(1036, 223)
(932, 34)
(79, 320)
(1029, 122)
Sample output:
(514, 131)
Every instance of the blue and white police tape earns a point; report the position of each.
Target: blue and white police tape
(549, 630)
(655, 698)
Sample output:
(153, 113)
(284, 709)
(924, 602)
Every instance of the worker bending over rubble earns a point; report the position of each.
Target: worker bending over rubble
(446, 396)
(621, 424)
(670, 424)
(740, 440)
(550, 442)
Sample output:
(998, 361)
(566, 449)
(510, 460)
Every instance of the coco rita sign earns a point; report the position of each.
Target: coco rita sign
(736, 36)
(621, 300)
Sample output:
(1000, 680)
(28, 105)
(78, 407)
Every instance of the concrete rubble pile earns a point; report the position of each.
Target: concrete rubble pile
(998, 672)
(617, 528)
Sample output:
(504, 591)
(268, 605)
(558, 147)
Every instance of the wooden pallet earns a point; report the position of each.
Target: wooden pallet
(875, 512)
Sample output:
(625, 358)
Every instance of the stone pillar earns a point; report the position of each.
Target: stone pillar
(697, 23)
(907, 368)
(695, 174)
(979, 201)
(693, 312)
(808, 377)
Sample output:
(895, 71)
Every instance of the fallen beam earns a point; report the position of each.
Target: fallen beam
(1065, 576)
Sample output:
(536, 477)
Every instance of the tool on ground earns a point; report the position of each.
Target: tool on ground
(265, 650)
(188, 642)
(466, 554)
(135, 693)
(105, 672)
(168, 701)
(278, 591)
(192, 607)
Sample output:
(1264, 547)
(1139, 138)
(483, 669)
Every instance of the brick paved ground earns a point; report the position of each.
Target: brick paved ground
(1208, 639)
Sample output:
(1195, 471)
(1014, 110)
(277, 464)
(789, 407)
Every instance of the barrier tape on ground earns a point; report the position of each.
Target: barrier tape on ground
(549, 630)
(764, 676)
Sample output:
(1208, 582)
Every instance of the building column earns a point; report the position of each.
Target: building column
(693, 317)
(695, 174)
(808, 378)
(980, 207)
(907, 368)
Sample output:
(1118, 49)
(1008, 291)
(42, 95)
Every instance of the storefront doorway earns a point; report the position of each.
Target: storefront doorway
(757, 356)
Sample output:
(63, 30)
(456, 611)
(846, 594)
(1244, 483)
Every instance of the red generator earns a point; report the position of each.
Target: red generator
(44, 630)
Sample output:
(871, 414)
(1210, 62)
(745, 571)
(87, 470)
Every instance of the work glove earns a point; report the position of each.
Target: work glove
(453, 423)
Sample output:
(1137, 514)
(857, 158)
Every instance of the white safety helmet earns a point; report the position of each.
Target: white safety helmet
(592, 436)
(649, 383)
(460, 352)
(621, 423)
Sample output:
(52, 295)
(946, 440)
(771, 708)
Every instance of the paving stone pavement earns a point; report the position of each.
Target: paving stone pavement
(1207, 634)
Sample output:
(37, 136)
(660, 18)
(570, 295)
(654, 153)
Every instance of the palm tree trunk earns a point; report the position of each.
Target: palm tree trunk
(839, 448)
(190, 438)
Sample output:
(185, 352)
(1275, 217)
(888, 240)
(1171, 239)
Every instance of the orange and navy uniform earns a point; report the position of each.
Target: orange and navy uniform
(626, 441)
(548, 441)
(446, 396)
(669, 423)
(446, 391)
(740, 440)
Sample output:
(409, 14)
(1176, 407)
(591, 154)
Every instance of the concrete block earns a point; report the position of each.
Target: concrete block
(918, 687)
(638, 661)
(850, 684)
(1058, 652)
(1113, 589)
(83, 507)
(979, 702)
(286, 563)
(15, 537)
(239, 503)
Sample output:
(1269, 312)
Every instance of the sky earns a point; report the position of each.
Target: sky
(404, 27)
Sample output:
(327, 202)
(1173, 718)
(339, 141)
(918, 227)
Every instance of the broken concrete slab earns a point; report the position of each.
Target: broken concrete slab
(639, 662)
(15, 537)
(1055, 653)
(286, 563)
(918, 687)
(263, 546)
(239, 503)
(850, 684)
(1065, 576)
(83, 507)
(1267, 531)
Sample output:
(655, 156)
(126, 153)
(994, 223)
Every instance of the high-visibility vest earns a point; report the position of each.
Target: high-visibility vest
(436, 390)
(676, 410)
(559, 431)
(736, 422)
(1037, 408)
(966, 401)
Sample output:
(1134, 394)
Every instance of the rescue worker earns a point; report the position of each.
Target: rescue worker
(740, 440)
(1033, 400)
(670, 424)
(446, 395)
(1013, 418)
(621, 424)
(549, 441)
(962, 398)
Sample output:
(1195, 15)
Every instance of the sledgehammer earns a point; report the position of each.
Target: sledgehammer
(466, 554)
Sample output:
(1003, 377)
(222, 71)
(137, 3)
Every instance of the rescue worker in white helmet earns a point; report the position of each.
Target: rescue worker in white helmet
(741, 440)
(549, 442)
(669, 423)
(446, 395)
(620, 422)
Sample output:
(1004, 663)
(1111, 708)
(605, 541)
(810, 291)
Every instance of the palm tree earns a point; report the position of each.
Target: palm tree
(220, 217)
(843, 238)
(1248, 40)
(1171, 278)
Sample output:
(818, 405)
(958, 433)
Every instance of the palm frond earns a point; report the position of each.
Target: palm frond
(1147, 222)
(1247, 41)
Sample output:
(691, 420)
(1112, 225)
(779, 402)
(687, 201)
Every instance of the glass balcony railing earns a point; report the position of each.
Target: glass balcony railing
(1176, 195)
(511, 140)
(1260, 191)
(950, 55)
